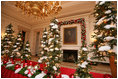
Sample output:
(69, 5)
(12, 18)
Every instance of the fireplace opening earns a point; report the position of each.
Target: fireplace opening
(70, 56)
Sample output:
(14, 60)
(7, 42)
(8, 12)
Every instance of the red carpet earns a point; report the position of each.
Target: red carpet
(5, 73)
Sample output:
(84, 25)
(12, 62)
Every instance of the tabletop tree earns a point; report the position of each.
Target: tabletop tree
(7, 41)
(17, 46)
(105, 31)
(54, 52)
(26, 54)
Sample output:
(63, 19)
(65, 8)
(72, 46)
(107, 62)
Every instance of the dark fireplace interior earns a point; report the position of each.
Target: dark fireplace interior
(70, 56)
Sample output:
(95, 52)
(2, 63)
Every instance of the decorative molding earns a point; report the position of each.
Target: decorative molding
(46, 23)
(17, 20)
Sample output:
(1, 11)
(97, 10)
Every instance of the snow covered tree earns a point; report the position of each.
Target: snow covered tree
(105, 30)
(7, 41)
(44, 45)
(54, 52)
(17, 46)
(83, 68)
(26, 54)
(105, 43)
(2, 44)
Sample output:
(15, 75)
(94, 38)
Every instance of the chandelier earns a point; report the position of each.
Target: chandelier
(39, 8)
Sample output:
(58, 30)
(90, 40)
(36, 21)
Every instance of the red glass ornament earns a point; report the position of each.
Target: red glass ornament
(75, 21)
(107, 76)
(23, 61)
(71, 76)
(11, 59)
(17, 66)
(13, 62)
(30, 63)
(55, 76)
(24, 64)
(59, 76)
(95, 46)
(4, 62)
(41, 69)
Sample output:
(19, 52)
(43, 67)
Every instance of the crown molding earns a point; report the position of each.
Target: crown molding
(17, 20)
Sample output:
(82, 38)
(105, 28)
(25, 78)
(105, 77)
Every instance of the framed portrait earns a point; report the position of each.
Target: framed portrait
(70, 35)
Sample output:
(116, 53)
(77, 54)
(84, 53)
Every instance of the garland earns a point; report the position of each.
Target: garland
(81, 21)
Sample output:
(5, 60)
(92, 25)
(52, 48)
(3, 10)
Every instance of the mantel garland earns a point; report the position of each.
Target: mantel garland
(81, 21)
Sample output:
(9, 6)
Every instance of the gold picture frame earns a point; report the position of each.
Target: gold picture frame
(70, 35)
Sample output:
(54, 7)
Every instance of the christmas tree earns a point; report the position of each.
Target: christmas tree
(7, 41)
(44, 45)
(2, 44)
(17, 46)
(82, 70)
(54, 52)
(105, 30)
(26, 55)
(105, 43)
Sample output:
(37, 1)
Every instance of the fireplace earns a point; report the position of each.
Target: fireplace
(70, 55)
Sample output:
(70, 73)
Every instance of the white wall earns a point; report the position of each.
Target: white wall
(31, 32)
(17, 26)
(89, 21)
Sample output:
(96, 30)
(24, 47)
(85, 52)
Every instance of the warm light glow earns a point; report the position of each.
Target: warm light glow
(105, 21)
(3, 34)
(92, 39)
(110, 51)
(95, 40)
(39, 8)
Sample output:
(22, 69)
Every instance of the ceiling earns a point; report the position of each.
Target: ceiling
(69, 8)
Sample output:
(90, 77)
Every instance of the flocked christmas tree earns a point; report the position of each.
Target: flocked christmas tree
(54, 52)
(17, 46)
(2, 44)
(105, 30)
(44, 45)
(105, 43)
(7, 41)
(26, 54)
(83, 68)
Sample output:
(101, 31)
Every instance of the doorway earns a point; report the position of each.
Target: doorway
(37, 44)
(23, 38)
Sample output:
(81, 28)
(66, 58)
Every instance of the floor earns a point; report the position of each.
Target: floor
(100, 68)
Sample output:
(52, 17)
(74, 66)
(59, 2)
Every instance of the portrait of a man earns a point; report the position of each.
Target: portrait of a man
(70, 35)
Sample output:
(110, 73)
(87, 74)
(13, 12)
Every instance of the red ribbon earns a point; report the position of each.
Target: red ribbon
(29, 72)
